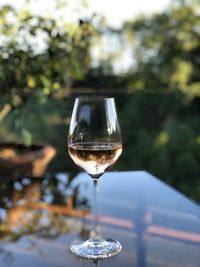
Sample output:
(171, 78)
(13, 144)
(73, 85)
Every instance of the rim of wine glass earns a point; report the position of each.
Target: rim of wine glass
(94, 97)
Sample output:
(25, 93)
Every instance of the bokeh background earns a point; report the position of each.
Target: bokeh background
(147, 57)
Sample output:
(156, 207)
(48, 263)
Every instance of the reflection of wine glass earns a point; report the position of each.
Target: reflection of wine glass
(95, 145)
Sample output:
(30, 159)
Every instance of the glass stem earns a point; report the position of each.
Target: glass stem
(94, 233)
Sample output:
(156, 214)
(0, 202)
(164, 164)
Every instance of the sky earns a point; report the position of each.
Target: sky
(115, 11)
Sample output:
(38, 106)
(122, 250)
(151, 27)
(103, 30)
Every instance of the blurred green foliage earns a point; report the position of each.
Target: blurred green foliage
(158, 99)
(167, 50)
(161, 120)
(39, 57)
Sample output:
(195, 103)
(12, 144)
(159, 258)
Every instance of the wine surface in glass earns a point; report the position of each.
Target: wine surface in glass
(95, 157)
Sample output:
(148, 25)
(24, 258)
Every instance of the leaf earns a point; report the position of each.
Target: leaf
(26, 137)
(31, 83)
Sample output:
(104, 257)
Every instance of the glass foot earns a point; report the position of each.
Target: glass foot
(97, 248)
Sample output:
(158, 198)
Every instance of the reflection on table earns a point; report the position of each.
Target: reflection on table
(40, 218)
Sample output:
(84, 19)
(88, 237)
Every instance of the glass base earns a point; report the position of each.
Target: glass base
(97, 248)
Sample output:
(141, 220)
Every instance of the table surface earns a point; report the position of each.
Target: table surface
(40, 218)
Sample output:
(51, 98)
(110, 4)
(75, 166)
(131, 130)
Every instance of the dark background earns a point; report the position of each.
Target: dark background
(158, 97)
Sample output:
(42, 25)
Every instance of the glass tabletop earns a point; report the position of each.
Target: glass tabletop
(40, 218)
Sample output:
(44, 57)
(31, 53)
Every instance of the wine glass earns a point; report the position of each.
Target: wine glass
(95, 144)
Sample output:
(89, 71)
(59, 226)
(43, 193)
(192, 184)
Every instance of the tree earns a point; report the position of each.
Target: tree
(161, 119)
(166, 50)
(39, 56)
